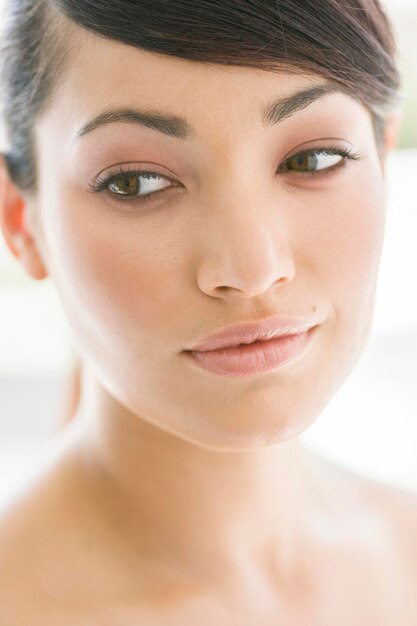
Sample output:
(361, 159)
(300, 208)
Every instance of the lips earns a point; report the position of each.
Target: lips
(256, 358)
(254, 332)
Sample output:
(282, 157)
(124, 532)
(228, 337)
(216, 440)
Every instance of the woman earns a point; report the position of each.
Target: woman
(204, 183)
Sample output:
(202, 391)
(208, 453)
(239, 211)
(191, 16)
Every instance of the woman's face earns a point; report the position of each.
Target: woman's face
(233, 229)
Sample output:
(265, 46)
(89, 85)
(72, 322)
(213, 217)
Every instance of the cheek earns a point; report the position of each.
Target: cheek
(116, 275)
(342, 255)
(339, 237)
(352, 246)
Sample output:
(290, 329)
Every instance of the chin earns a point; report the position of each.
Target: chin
(251, 428)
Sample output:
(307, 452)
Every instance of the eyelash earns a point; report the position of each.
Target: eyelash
(101, 184)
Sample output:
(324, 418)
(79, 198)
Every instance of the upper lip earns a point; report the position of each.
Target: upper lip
(260, 330)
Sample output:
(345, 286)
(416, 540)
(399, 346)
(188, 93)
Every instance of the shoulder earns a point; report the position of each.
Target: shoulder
(380, 509)
(398, 508)
(39, 540)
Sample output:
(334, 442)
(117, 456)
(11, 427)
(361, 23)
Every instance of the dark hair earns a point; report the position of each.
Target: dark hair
(349, 42)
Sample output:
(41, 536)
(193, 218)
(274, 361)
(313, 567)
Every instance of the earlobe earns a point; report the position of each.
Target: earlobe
(13, 210)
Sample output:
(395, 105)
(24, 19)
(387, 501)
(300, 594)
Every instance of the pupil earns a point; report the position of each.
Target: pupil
(126, 185)
(304, 161)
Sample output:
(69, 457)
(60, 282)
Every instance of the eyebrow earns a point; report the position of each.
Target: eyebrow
(283, 108)
(278, 110)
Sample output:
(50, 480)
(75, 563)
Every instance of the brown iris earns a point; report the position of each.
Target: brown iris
(125, 184)
(302, 162)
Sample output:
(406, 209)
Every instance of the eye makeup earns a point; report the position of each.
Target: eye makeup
(123, 183)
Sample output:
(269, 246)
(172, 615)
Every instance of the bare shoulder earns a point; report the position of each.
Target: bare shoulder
(398, 507)
(38, 542)
(394, 509)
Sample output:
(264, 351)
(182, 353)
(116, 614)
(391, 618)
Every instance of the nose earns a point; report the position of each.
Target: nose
(245, 250)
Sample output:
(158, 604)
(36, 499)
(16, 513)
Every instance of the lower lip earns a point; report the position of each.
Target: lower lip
(255, 358)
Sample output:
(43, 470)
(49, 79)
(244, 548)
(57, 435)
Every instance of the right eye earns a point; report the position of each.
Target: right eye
(131, 184)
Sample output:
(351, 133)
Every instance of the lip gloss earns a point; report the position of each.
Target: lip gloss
(254, 358)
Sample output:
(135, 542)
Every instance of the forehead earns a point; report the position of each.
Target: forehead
(102, 73)
(218, 102)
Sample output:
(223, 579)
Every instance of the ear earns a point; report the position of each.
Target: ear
(391, 131)
(13, 223)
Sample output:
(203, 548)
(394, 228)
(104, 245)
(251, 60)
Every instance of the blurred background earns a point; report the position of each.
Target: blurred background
(369, 426)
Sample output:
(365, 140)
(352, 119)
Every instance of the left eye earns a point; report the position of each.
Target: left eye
(312, 161)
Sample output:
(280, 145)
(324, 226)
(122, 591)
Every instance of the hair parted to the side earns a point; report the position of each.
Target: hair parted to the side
(346, 41)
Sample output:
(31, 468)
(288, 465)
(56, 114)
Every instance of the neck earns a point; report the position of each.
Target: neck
(218, 514)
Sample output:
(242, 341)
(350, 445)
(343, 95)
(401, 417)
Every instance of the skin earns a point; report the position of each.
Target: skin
(177, 495)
